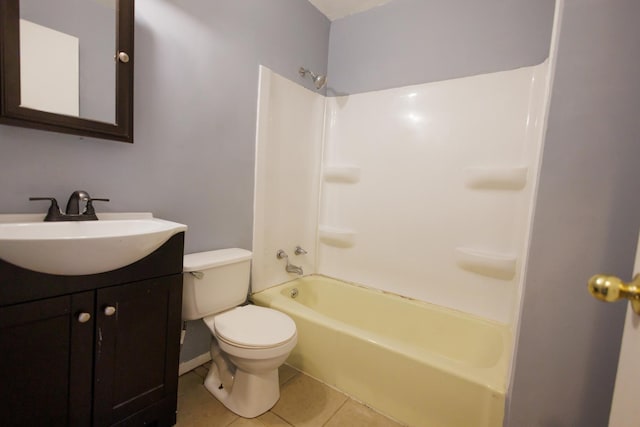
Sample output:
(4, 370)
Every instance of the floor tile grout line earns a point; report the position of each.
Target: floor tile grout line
(232, 421)
(285, 420)
(281, 385)
(337, 410)
(280, 418)
(289, 379)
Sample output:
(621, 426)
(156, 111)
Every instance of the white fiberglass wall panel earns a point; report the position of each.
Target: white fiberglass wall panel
(427, 189)
(288, 154)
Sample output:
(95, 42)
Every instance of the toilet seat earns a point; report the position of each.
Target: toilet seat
(254, 327)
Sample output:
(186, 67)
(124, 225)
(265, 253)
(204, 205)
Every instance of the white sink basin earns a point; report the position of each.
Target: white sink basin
(84, 247)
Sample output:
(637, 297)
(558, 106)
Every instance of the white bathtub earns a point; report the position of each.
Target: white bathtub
(421, 364)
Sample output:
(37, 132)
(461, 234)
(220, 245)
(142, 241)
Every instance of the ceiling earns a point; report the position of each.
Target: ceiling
(335, 9)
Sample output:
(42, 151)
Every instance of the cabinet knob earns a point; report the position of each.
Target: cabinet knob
(123, 57)
(83, 317)
(109, 310)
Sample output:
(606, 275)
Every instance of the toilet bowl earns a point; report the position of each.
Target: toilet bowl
(246, 374)
(249, 343)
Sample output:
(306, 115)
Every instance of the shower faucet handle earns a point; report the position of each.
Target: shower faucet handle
(281, 254)
(300, 251)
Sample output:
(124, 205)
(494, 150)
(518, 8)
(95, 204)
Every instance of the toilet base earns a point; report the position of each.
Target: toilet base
(250, 394)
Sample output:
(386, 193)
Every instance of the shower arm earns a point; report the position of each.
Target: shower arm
(319, 80)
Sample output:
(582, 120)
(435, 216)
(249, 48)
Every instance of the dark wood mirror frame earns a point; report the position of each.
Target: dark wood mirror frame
(11, 113)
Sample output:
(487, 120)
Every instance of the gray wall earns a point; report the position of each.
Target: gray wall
(196, 82)
(416, 41)
(586, 221)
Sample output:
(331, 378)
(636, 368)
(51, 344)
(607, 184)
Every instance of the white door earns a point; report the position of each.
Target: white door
(624, 409)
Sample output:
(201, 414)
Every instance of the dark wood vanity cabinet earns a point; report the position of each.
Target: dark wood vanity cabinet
(97, 350)
(132, 349)
(46, 363)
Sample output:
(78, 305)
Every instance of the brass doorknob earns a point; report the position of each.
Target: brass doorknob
(611, 289)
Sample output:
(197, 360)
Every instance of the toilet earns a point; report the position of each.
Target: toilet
(249, 342)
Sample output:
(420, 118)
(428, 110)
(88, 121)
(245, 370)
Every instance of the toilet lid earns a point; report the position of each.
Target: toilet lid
(254, 326)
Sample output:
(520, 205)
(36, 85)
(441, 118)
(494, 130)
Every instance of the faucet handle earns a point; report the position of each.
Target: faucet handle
(300, 251)
(54, 210)
(89, 209)
(281, 254)
(52, 199)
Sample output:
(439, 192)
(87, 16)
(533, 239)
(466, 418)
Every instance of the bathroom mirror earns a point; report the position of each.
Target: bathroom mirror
(67, 66)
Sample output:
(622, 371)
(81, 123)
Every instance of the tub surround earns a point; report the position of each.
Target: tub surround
(438, 208)
(288, 147)
(423, 191)
(416, 362)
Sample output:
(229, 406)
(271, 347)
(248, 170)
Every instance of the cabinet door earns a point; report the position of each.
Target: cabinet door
(137, 349)
(46, 353)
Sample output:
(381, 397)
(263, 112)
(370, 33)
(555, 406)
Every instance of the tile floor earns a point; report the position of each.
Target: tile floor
(303, 402)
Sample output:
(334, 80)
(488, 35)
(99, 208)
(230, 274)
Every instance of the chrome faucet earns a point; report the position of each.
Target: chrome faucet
(289, 267)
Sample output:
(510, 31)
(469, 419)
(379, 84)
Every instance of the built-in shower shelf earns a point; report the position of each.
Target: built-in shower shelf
(346, 174)
(490, 264)
(338, 237)
(496, 178)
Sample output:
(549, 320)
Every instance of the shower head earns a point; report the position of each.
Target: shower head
(319, 80)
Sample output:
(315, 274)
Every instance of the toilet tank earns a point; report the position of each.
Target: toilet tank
(214, 281)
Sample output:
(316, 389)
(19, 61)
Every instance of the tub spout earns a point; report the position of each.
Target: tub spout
(289, 267)
(294, 269)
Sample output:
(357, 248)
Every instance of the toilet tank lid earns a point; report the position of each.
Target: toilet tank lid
(203, 260)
